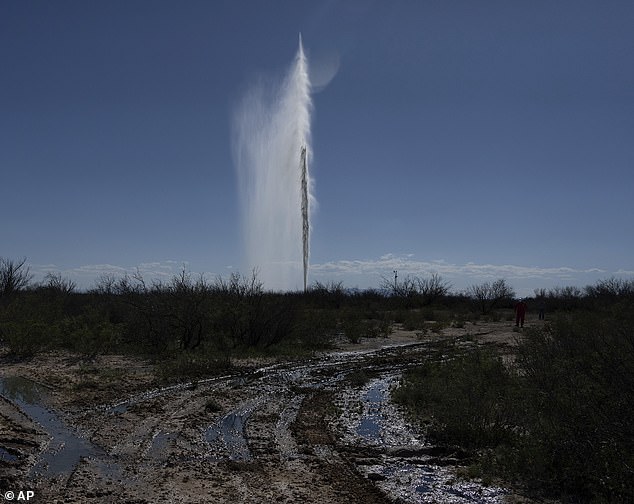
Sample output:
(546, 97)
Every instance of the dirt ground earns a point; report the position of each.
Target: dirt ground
(106, 431)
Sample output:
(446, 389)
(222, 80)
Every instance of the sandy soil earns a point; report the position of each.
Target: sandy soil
(265, 434)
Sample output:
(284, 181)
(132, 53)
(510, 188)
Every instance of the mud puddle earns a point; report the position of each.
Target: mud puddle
(227, 436)
(6, 456)
(372, 423)
(65, 447)
(393, 455)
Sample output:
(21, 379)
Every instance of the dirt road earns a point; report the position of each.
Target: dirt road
(321, 430)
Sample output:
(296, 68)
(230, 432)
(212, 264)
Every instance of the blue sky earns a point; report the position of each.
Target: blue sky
(475, 139)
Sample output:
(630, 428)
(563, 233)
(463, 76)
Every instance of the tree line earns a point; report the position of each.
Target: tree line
(225, 316)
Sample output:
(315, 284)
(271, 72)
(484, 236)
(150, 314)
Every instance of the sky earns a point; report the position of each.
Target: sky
(474, 139)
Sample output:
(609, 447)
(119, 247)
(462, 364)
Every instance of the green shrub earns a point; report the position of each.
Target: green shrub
(414, 320)
(192, 366)
(462, 399)
(560, 421)
(353, 328)
(459, 322)
(315, 329)
(579, 393)
(89, 335)
(26, 338)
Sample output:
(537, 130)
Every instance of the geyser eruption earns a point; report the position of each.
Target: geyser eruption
(272, 152)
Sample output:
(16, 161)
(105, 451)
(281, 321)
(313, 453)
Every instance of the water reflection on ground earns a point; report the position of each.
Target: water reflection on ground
(401, 463)
(65, 447)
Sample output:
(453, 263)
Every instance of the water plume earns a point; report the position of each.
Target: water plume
(272, 154)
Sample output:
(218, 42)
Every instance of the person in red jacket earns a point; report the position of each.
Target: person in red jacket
(520, 313)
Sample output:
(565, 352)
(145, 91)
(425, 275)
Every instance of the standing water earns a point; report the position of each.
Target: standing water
(272, 151)
(65, 448)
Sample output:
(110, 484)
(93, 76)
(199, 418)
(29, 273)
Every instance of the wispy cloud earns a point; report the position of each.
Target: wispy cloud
(623, 272)
(98, 269)
(362, 272)
(406, 264)
(86, 275)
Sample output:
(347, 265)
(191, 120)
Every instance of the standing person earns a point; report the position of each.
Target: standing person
(542, 309)
(520, 313)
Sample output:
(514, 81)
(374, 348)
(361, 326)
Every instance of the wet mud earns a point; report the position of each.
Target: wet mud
(279, 432)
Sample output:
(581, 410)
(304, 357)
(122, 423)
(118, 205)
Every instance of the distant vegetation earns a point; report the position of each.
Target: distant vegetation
(557, 420)
(225, 317)
(200, 324)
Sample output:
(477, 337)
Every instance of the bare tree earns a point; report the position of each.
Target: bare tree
(428, 289)
(489, 295)
(106, 284)
(56, 283)
(327, 288)
(405, 288)
(331, 293)
(611, 289)
(14, 276)
(432, 288)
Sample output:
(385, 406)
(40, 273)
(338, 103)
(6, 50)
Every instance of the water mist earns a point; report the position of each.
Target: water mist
(272, 154)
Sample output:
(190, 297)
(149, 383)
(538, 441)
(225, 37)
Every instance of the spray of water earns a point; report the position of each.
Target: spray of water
(272, 154)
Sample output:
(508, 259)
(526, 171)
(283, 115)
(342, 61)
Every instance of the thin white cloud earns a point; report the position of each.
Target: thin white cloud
(622, 272)
(364, 272)
(92, 269)
(406, 264)
(86, 275)
(161, 269)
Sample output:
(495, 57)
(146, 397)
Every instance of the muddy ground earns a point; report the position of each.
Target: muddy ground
(105, 430)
